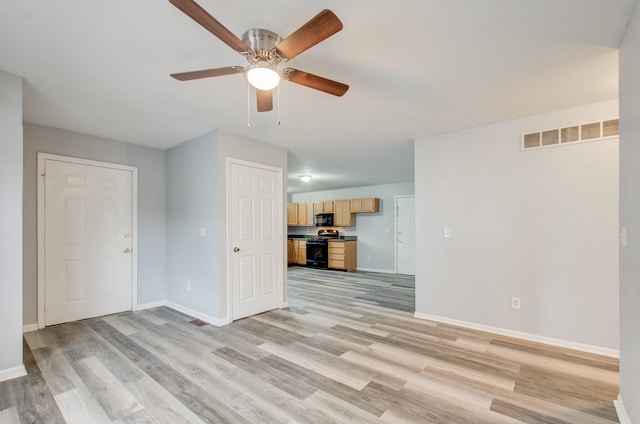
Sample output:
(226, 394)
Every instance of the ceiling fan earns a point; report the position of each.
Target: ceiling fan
(265, 50)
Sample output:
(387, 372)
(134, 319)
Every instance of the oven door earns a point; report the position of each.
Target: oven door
(318, 254)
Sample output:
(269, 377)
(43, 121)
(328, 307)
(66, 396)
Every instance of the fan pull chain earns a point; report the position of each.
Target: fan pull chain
(278, 106)
(248, 105)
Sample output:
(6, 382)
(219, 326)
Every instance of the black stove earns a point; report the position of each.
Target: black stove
(318, 248)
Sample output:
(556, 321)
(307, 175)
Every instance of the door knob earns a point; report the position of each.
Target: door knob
(126, 235)
(126, 250)
(236, 249)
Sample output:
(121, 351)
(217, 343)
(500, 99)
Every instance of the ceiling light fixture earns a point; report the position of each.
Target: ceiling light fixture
(305, 178)
(263, 75)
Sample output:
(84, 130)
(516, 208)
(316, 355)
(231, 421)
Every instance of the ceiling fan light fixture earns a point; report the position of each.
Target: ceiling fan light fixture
(305, 178)
(263, 76)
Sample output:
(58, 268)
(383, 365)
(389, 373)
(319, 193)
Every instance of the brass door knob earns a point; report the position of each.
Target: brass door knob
(126, 250)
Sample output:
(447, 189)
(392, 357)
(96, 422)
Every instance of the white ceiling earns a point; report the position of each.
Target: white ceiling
(415, 68)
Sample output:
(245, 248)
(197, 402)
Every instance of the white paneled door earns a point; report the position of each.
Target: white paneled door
(256, 241)
(405, 224)
(87, 241)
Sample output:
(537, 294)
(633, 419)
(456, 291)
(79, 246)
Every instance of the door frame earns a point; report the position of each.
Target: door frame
(42, 158)
(395, 223)
(228, 242)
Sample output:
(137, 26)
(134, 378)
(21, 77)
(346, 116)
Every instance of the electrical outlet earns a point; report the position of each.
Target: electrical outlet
(515, 303)
(188, 285)
(369, 257)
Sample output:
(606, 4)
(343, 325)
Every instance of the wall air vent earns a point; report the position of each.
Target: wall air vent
(576, 134)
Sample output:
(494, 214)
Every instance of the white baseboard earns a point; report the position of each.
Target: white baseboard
(151, 305)
(218, 322)
(524, 336)
(623, 415)
(11, 373)
(380, 271)
(284, 305)
(28, 328)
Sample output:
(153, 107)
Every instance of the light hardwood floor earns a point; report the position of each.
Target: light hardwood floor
(346, 351)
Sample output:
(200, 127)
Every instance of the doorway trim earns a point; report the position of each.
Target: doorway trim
(228, 243)
(40, 207)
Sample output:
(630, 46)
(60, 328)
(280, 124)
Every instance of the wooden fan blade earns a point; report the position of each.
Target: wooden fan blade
(208, 73)
(313, 81)
(198, 14)
(265, 100)
(319, 28)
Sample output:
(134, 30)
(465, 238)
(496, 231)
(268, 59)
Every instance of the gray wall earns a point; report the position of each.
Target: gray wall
(192, 189)
(151, 204)
(197, 197)
(630, 218)
(541, 225)
(10, 223)
(370, 228)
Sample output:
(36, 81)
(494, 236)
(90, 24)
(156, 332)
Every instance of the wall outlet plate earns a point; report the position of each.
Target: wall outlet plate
(515, 303)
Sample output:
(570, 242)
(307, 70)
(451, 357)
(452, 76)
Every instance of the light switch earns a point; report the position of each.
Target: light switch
(623, 236)
(203, 232)
(447, 233)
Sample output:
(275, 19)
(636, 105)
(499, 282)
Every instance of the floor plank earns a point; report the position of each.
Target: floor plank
(346, 350)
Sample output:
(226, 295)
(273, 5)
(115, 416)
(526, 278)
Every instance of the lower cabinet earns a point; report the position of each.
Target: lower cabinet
(297, 252)
(343, 255)
(302, 252)
(292, 251)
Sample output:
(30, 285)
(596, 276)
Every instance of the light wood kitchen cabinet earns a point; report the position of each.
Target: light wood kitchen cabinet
(297, 252)
(368, 204)
(325, 206)
(342, 216)
(302, 252)
(292, 214)
(292, 256)
(343, 255)
(299, 214)
(304, 214)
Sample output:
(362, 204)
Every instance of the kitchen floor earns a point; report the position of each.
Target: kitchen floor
(386, 290)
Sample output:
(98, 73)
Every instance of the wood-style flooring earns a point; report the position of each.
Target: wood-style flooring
(347, 350)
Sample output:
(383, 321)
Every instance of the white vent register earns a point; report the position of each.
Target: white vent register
(570, 135)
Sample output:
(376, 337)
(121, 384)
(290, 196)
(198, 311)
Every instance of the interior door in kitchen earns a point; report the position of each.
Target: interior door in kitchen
(405, 226)
(256, 238)
(86, 227)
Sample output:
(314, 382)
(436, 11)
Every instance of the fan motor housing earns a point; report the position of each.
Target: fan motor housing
(262, 43)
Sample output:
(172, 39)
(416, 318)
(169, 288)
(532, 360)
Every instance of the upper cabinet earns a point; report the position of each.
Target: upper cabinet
(343, 216)
(299, 214)
(323, 207)
(305, 214)
(367, 204)
(292, 214)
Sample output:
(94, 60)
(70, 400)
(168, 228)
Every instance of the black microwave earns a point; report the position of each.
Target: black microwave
(323, 219)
